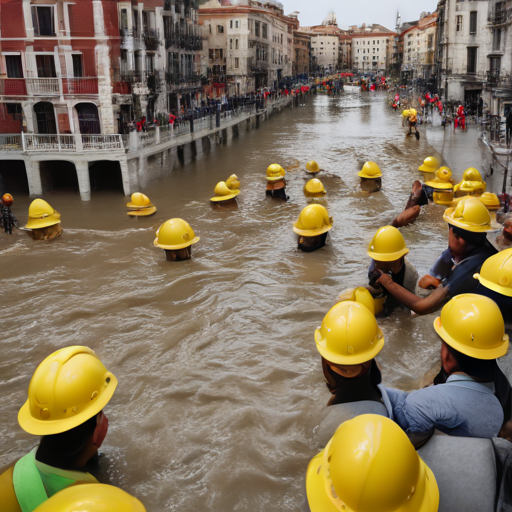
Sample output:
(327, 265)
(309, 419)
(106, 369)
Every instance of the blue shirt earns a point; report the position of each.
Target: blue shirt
(458, 277)
(460, 407)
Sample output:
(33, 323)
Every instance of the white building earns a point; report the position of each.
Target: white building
(371, 51)
(325, 52)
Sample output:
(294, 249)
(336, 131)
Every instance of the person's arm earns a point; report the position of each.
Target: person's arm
(421, 306)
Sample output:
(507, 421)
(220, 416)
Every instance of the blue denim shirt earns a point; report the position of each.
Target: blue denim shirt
(460, 407)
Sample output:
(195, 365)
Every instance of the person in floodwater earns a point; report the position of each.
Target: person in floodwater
(348, 340)
(43, 221)
(66, 398)
(176, 238)
(312, 227)
(452, 273)
(495, 282)
(463, 401)
(371, 177)
(7, 219)
(387, 251)
(370, 465)
(91, 498)
(276, 184)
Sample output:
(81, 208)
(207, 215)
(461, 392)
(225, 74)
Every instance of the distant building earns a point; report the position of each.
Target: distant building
(248, 43)
(372, 48)
(325, 49)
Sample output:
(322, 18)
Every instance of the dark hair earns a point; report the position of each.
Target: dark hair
(477, 239)
(61, 450)
(481, 369)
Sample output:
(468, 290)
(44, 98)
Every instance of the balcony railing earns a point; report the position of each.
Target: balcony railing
(151, 38)
(43, 86)
(80, 85)
(13, 87)
(10, 142)
(70, 143)
(48, 86)
(497, 17)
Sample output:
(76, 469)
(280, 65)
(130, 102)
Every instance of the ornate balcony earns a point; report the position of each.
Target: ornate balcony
(43, 86)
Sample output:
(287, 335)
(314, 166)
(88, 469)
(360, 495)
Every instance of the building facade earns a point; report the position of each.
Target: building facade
(372, 51)
(248, 45)
(325, 50)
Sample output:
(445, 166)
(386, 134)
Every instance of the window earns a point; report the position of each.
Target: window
(77, 66)
(236, 44)
(14, 67)
(220, 29)
(471, 68)
(459, 23)
(43, 18)
(257, 28)
(124, 19)
(236, 24)
(264, 31)
(472, 22)
(496, 40)
(281, 38)
(237, 62)
(45, 66)
(230, 23)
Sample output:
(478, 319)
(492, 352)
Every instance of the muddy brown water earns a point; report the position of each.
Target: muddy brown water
(220, 384)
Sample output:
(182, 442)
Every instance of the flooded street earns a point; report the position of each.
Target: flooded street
(220, 383)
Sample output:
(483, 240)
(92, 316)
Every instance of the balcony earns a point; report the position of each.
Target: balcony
(13, 87)
(497, 17)
(493, 77)
(151, 39)
(70, 143)
(80, 85)
(43, 86)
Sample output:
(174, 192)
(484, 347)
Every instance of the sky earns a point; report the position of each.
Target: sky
(356, 12)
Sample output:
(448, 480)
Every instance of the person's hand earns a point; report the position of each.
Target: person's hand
(385, 279)
(429, 282)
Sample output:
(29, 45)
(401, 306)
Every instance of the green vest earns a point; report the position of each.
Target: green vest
(35, 482)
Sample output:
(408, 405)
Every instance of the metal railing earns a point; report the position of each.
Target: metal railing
(102, 142)
(72, 142)
(13, 87)
(43, 86)
(10, 142)
(80, 85)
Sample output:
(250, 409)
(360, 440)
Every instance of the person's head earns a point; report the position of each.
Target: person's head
(349, 339)
(387, 249)
(66, 397)
(91, 498)
(7, 199)
(370, 172)
(473, 333)
(370, 464)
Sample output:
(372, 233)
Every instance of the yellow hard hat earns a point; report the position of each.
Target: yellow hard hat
(175, 234)
(443, 197)
(139, 201)
(349, 334)
(370, 170)
(406, 113)
(275, 172)
(496, 273)
(472, 174)
(223, 193)
(233, 183)
(473, 324)
(430, 164)
(490, 201)
(312, 167)
(442, 180)
(313, 220)
(370, 465)
(69, 387)
(41, 215)
(469, 214)
(387, 244)
(413, 112)
(360, 295)
(91, 498)
(314, 188)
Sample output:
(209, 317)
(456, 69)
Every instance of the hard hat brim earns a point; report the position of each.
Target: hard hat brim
(218, 199)
(350, 359)
(41, 223)
(439, 185)
(176, 247)
(502, 290)
(477, 353)
(138, 206)
(447, 216)
(362, 174)
(273, 178)
(317, 498)
(424, 168)
(315, 194)
(144, 212)
(44, 428)
(388, 257)
(312, 172)
(313, 232)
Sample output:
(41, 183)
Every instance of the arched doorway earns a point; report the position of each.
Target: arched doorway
(45, 116)
(88, 118)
